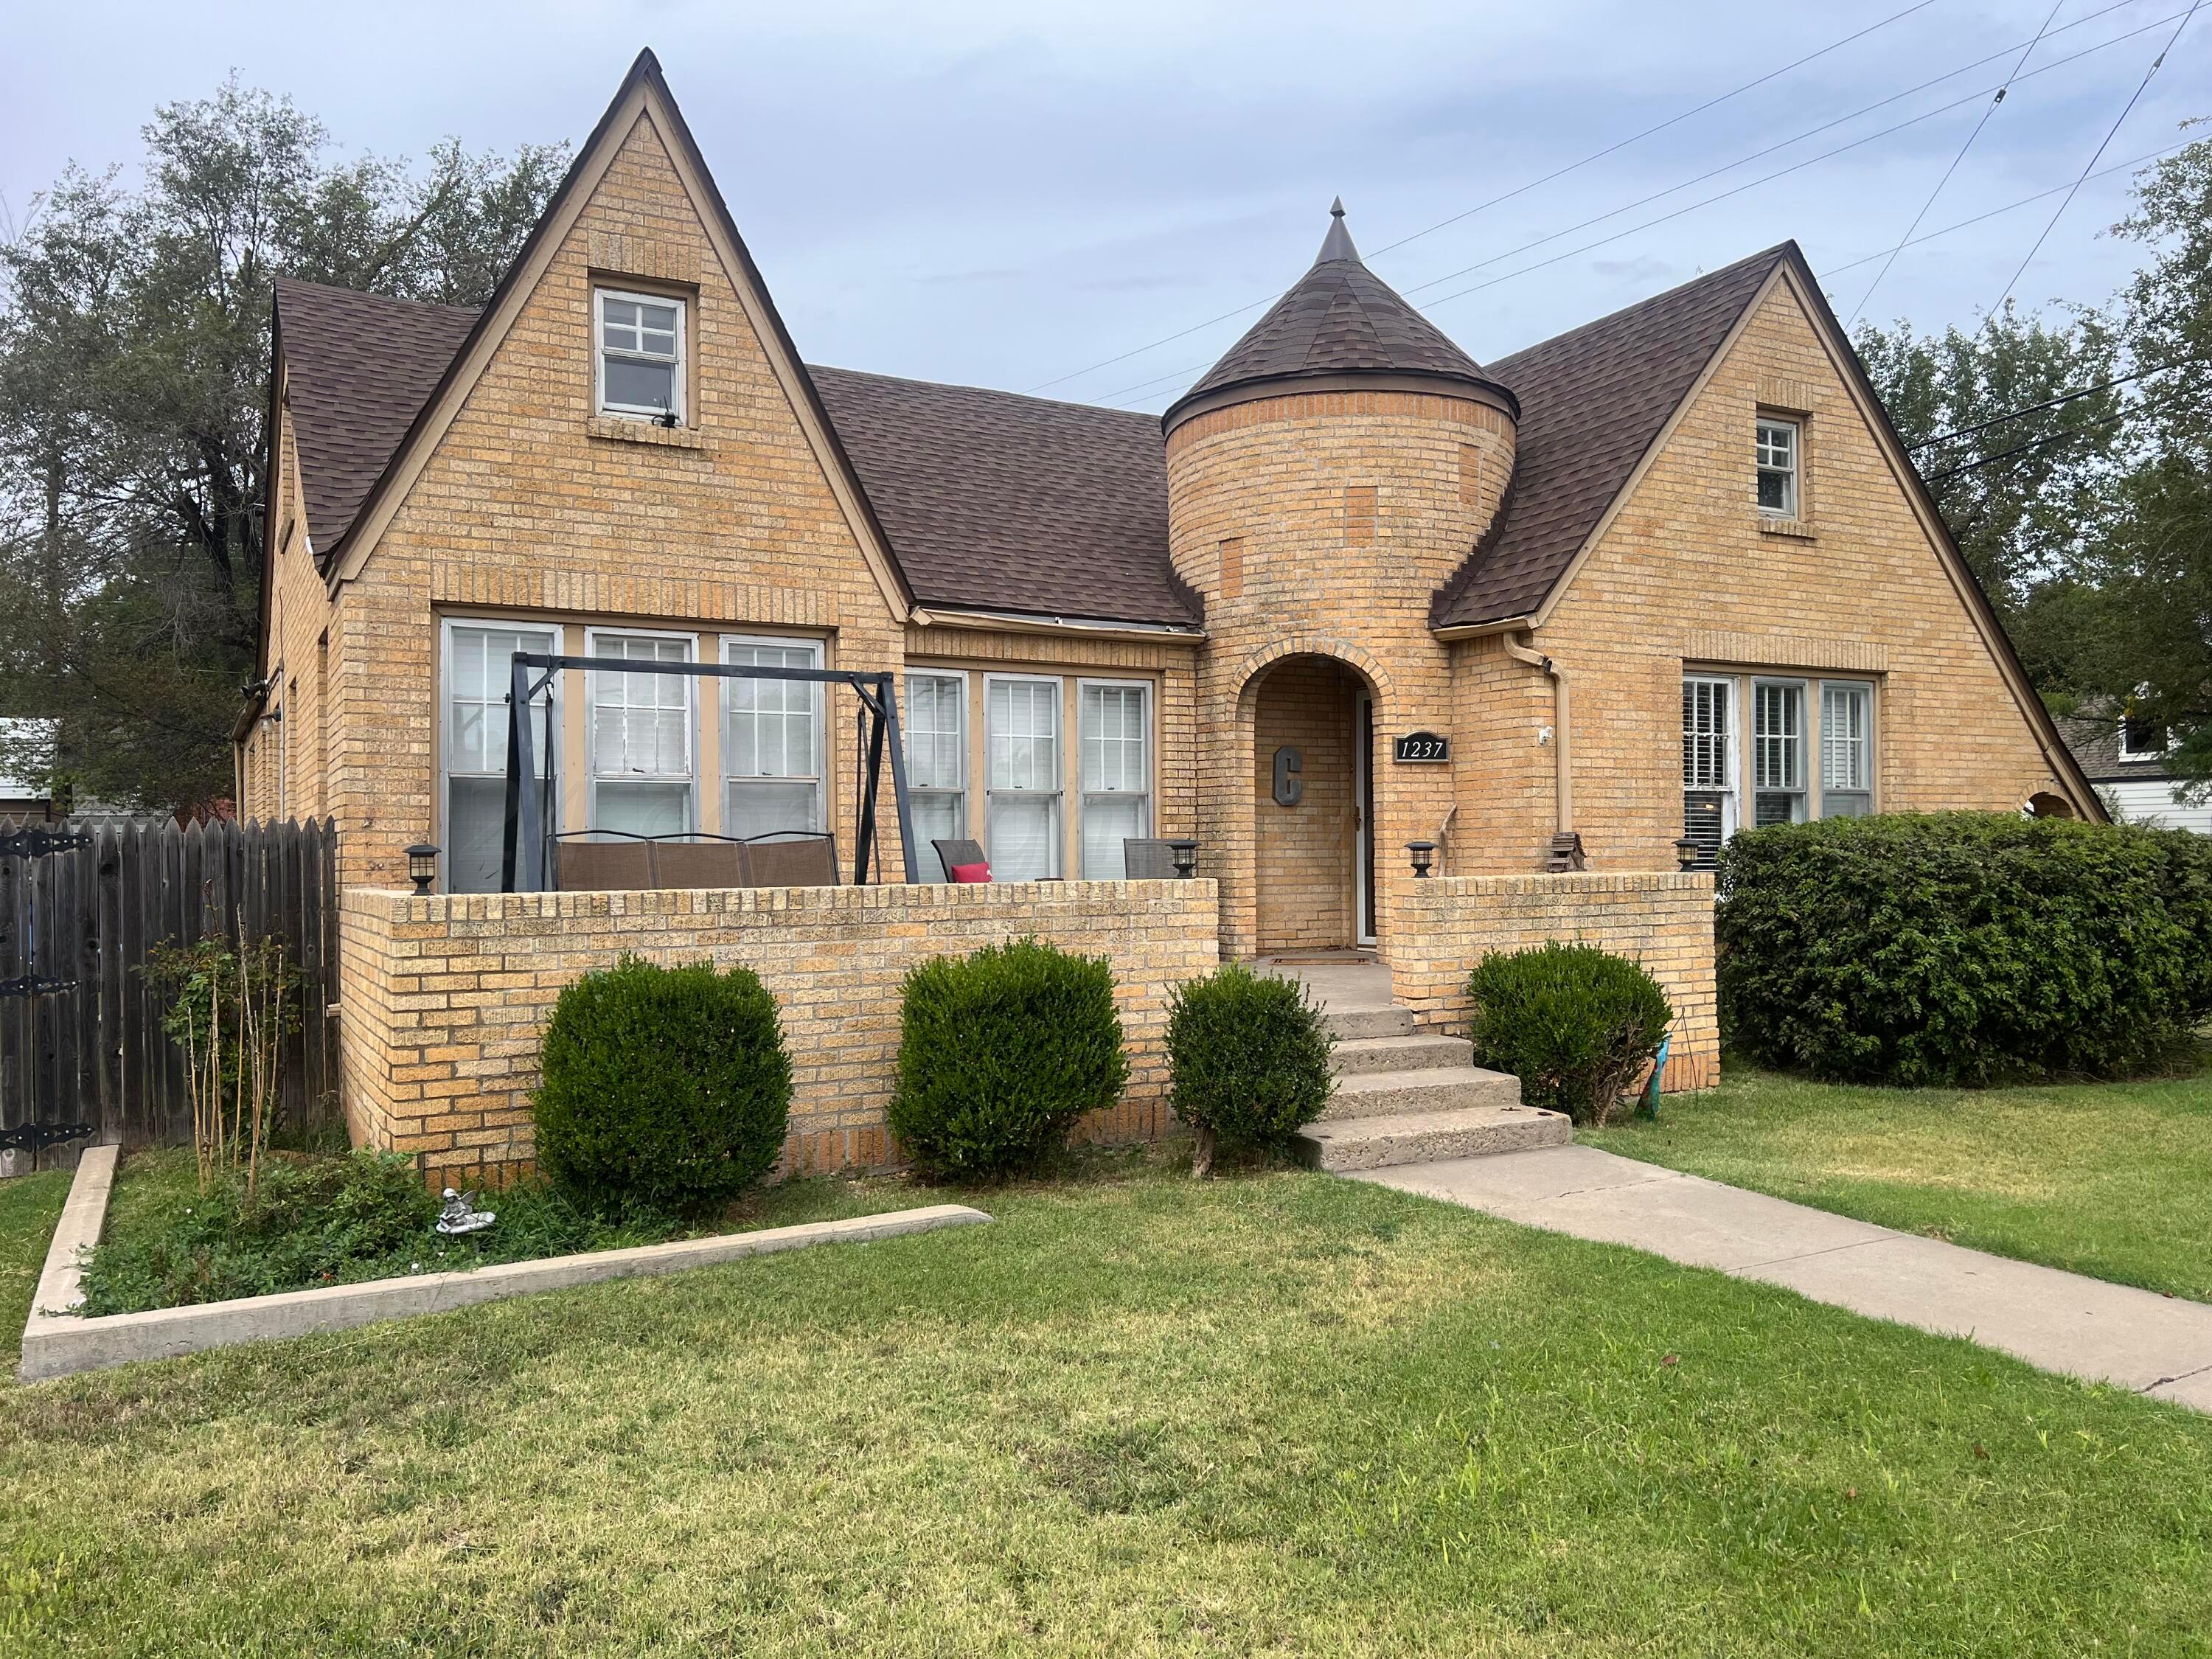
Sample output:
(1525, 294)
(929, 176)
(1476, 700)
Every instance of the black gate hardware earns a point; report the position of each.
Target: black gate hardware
(30, 985)
(37, 1137)
(35, 841)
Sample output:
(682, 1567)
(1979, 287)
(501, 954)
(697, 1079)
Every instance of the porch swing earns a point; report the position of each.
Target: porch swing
(530, 850)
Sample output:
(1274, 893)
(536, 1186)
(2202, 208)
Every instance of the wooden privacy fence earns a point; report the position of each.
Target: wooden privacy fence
(81, 1037)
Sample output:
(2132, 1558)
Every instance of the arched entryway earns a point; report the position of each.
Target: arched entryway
(1313, 786)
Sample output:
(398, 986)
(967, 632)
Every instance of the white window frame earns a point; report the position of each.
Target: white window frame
(638, 412)
(820, 647)
(1753, 788)
(1057, 839)
(1794, 488)
(2128, 752)
(1732, 688)
(1144, 688)
(1865, 688)
(592, 636)
(447, 625)
(963, 816)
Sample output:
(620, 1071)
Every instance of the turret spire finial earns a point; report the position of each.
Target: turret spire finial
(1337, 245)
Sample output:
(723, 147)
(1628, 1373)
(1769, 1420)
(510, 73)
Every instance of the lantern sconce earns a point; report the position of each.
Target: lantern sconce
(1686, 852)
(1185, 850)
(423, 866)
(1425, 854)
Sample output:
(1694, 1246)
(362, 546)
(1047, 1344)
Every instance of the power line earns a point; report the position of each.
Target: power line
(1595, 155)
(1730, 167)
(1955, 161)
(2049, 403)
(2128, 109)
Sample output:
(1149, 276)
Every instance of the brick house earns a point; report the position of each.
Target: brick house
(1669, 573)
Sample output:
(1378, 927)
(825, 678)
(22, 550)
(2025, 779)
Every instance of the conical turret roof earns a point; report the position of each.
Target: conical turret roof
(1338, 319)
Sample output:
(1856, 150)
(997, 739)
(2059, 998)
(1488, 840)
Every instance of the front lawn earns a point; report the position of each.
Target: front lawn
(1281, 1412)
(29, 1206)
(2113, 1180)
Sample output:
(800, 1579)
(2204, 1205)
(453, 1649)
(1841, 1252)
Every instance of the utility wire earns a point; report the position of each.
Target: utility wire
(2125, 112)
(1955, 161)
(1595, 155)
(2050, 403)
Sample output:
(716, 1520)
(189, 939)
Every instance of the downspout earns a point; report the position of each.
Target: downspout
(1562, 758)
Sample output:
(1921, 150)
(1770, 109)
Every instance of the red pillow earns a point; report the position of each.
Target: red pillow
(971, 872)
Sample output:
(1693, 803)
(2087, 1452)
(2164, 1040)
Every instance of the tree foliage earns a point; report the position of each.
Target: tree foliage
(134, 366)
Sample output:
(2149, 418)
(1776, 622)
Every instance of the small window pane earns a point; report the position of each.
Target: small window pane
(1705, 734)
(1779, 737)
(644, 809)
(476, 834)
(631, 384)
(1846, 746)
(1776, 449)
(1022, 837)
(760, 808)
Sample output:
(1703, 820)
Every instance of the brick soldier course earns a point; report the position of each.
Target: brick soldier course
(1525, 559)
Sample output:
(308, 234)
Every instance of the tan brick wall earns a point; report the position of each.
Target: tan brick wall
(1304, 870)
(283, 770)
(1688, 574)
(1664, 921)
(1342, 512)
(447, 997)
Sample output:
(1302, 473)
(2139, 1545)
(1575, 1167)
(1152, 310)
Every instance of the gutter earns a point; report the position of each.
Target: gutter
(1096, 628)
(1562, 758)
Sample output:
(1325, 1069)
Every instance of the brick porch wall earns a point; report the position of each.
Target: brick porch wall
(1664, 920)
(446, 998)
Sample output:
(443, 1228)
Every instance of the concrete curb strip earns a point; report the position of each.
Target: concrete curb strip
(58, 1343)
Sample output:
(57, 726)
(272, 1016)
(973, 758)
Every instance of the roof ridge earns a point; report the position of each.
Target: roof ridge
(371, 293)
(1773, 255)
(986, 390)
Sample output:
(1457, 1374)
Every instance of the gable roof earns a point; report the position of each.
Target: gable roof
(1004, 503)
(2094, 739)
(360, 368)
(1593, 402)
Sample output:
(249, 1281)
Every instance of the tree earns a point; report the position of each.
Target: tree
(134, 366)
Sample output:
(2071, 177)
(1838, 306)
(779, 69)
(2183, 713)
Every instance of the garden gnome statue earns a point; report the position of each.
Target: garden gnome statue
(461, 1216)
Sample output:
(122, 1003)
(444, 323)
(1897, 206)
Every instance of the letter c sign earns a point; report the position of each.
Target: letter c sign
(1289, 786)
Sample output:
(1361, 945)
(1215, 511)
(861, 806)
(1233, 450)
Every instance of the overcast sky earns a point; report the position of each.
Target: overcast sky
(1004, 194)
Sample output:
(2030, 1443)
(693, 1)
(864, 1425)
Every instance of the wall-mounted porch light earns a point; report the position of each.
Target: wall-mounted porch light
(1425, 854)
(423, 866)
(1686, 852)
(1186, 857)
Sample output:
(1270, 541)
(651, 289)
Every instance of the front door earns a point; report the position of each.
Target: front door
(1362, 854)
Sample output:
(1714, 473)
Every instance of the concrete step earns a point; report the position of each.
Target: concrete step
(1356, 1024)
(1378, 1143)
(1422, 1051)
(1433, 1089)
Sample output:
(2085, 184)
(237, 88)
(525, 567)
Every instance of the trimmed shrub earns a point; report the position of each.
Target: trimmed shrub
(665, 1089)
(1000, 1053)
(1576, 1024)
(1962, 948)
(1250, 1056)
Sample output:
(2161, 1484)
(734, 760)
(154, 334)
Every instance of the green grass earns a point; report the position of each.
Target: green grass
(1280, 1413)
(29, 1206)
(2113, 1180)
(328, 1220)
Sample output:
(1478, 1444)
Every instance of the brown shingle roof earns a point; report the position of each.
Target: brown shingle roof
(1338, 317)
(1593, 400)
(1002, 502)
(360, 366)
(990, 500)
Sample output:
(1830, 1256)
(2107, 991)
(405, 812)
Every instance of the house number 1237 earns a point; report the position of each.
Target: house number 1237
(1418, 746)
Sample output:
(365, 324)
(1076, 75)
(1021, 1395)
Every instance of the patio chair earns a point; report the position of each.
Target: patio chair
(1146, 859)
(597, 865)
(698, 860)
(791, 858)
(949, 853)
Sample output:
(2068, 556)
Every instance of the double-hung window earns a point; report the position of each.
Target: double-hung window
(1778, 451)
(479, 659)
(1846, 749)
(640, 355)
(936, 763)
(1708, 779)
(1778, 752)
(1021, 720)
(1114, 736)
(642, 755)
(772, 740)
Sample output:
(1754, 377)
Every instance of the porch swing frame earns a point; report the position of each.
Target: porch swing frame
(531, 801)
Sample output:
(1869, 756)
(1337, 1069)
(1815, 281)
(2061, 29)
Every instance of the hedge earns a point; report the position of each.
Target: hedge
(1578, 1025)
(1962, 948)
(1250, 1058)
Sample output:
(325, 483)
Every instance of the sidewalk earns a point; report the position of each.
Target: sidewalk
(2138, 1339)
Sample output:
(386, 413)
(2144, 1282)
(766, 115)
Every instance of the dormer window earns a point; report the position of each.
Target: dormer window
(2140, 740)
(641, 356)
(1777, 468)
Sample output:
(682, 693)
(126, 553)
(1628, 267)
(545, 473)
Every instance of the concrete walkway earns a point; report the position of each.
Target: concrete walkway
(2138, 1339)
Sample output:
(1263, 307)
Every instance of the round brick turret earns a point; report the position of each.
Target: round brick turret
(1324, 479)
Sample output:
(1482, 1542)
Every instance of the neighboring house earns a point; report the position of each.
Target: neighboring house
(1331, 604)
(2127, 761)
(24, 794)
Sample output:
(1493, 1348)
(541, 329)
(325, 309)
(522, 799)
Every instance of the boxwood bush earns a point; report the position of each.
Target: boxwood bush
(1250, 1058)
(1578, 1025)
(665, 1088)
(1000, 1052)
(1963, 948)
